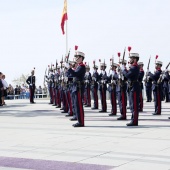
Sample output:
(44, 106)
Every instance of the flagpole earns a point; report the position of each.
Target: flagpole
(66, 39)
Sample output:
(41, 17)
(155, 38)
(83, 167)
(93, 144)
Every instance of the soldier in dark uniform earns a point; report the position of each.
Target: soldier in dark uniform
(165, 82)
(148, 88)
(78, 86)
(156, 87)
(87, 82)
(31, 82)
(57, 87)
(121, 90)
(103, 87)
(112, 81)
(140, 79)
(94, 86)
(133, 86)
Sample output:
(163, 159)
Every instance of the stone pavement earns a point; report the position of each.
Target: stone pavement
(40, 137)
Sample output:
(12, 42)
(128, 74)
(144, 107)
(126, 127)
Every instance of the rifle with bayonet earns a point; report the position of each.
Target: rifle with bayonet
(146, 77)
(162, 74)
(121, 80)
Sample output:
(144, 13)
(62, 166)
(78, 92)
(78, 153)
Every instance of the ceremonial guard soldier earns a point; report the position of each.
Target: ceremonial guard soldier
(148, 88)
(94, 85)
(87, 81)
(133, 86)
(78, 86)
(121, 90)
(112, 81)
(57, 86)
(64, 89)
(166, 89)
(140, 79)
(31, 82)
(103, 87)
(156, 87)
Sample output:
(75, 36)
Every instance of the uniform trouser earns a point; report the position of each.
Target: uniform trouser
(157, 100)
(58, 97)
(112, 94)
(134, 103)
(87, 96)
(65, 103)
(32, 90)
(166, 94)
(79, 107)
(95, 97)
(73, 104)
(51, 95)
(103, 99)
(141, 101)
(149, 94)
(122, 101)
(69, 101)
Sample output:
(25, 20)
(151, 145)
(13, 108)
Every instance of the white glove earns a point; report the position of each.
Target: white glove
(103, 72)
(67, 65)
(123, 68)
(30, 84)
(113, 72)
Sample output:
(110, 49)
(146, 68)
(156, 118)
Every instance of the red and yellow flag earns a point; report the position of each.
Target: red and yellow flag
(64, 16)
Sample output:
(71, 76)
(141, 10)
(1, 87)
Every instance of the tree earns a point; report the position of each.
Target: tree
(21, 80)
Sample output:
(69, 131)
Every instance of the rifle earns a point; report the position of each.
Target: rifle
(45, 75)
(67, 57)
(121, 74)
(146, 80)
(162, 74)
(56, 64)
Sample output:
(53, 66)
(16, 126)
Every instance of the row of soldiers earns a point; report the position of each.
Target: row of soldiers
(71, 83)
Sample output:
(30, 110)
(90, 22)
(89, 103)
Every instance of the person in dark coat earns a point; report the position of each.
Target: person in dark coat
(78, 86)
(31, 82)
(133, 86)
(156, 87)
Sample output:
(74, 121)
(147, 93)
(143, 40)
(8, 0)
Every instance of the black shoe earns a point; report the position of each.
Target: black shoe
(54, 105)
(156, 113)
(87, 106)
(121, 118)
(102, 111)
(64, 112)
(50, 103)
(62, 108)
(57, 106)
(68, 115)
(1, 104)
(73, 119)
(112, 114)
(93, 108)
(132, 124)
(32, 102)
(78, 125)
(168, 117)
(140, 110)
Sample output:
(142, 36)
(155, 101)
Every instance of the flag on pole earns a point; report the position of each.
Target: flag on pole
(64, 16)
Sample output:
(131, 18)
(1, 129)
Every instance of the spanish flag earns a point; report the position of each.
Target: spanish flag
(64, 16)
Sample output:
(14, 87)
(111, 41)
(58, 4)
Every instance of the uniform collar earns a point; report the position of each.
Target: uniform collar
(135, 64)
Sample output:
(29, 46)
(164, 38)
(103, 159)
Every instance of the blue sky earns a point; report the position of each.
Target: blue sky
(30, 33)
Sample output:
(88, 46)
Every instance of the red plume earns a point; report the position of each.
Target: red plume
(48, 65)
(129, 48)
(93, 62)
(111, 59)
(53, 64)
(99, 60)
(118, 54)
(76, 47)
(34, 68)
(85, 63)
(156, 56)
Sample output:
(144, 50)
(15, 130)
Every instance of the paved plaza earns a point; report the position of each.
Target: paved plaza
(40, 137)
